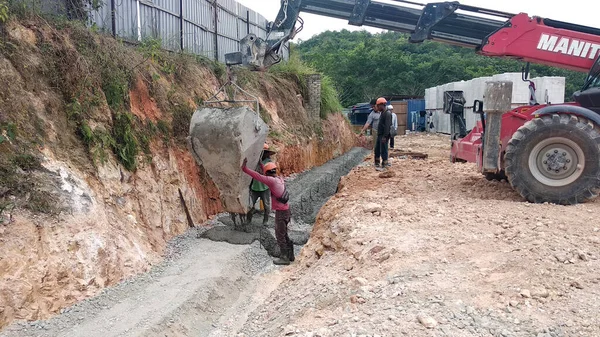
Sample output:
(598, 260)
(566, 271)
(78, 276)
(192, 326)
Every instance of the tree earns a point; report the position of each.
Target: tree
(364, 65)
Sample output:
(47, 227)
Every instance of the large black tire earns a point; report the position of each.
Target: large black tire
(555, 159)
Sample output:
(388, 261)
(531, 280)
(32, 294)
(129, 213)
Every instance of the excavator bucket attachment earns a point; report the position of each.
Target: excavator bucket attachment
(219, 140)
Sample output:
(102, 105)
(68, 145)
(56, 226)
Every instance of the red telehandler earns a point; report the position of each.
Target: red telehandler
(548, 153)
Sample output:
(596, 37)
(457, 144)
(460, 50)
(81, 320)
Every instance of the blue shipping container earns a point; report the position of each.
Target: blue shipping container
(416, 105)
(415, 119)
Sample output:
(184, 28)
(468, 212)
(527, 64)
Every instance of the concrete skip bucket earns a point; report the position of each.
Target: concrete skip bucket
(219, 140)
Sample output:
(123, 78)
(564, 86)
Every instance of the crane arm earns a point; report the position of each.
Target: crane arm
(499, 34)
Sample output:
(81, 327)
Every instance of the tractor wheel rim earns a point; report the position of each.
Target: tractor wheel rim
(556, 161)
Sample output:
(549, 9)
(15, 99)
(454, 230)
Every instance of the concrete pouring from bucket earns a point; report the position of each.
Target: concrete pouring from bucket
(219, 140)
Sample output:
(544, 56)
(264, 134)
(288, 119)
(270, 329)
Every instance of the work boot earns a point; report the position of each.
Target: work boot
(249, 216)
(386, 163)
(377, 163)
(265, 218)
(290, 246)
(283, 259)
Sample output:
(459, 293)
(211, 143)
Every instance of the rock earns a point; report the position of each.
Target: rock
(577, 285)
(373, 208)
(525, 293)
(387, 174)
(376, 249)
(540, 292)
(289, 330)
(470, 311)
(383, 257)
(361, 281)
(582, 256)
(514, 303)
(427, 321)
(560, 257)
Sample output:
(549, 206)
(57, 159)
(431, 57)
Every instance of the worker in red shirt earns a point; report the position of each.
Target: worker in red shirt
(279, 204)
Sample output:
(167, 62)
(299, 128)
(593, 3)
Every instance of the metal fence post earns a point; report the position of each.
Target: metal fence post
(216, 31)
(247, 22)
(113, 18)
(181, 24)
(139, 21)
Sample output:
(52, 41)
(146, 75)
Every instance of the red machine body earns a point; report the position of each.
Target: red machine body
(528, 39)
(531, 40)
(470, 148)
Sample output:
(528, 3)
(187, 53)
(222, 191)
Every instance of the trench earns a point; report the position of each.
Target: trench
(210, 281)
(309, 191)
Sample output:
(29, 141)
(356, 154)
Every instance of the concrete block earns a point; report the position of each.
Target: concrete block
(439, 101)
(429, 99)
(520, 94)
(550, 89)
(478, 87)
(433, 99)
(219, 140)
(443, 121)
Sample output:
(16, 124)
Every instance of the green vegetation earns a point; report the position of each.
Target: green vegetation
(18, 181)
(297, 70)
(4, 14)
(126, 144)
(182, 115)
(364, 65)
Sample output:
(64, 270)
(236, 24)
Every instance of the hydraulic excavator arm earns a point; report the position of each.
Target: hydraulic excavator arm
(488, 32)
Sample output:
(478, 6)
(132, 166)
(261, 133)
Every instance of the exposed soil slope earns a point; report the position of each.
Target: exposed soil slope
(93, 161)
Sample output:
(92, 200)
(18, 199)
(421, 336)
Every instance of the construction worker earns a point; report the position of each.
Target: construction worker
(394, 130)
(261, 191)
(384, 130)
(373, 123)
(280, 204)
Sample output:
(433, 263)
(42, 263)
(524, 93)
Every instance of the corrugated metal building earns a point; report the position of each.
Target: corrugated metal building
(204, 27)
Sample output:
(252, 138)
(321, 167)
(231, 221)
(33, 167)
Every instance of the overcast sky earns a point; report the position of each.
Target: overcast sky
(573, 11)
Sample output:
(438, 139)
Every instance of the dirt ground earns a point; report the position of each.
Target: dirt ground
(436, 250)
(433, 250)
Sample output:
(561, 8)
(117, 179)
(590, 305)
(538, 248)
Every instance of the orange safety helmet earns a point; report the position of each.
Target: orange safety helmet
(270, 166)
(381, 100)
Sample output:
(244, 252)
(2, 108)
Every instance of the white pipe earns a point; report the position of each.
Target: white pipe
(139, 22)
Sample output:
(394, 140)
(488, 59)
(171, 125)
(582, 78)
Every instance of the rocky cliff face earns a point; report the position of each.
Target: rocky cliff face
(94, 168)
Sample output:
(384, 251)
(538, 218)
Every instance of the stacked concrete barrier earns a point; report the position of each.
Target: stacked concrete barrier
(549, 90)
(219, 140)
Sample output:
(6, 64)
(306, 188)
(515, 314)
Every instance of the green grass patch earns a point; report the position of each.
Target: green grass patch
(182, 116)
(126, 145)
(297, 71)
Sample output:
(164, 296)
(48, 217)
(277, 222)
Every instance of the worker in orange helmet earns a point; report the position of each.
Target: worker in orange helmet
(261, 191)
(279, 200)
(383, 130)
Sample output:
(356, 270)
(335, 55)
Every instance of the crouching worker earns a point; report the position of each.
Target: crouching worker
(279, 203)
